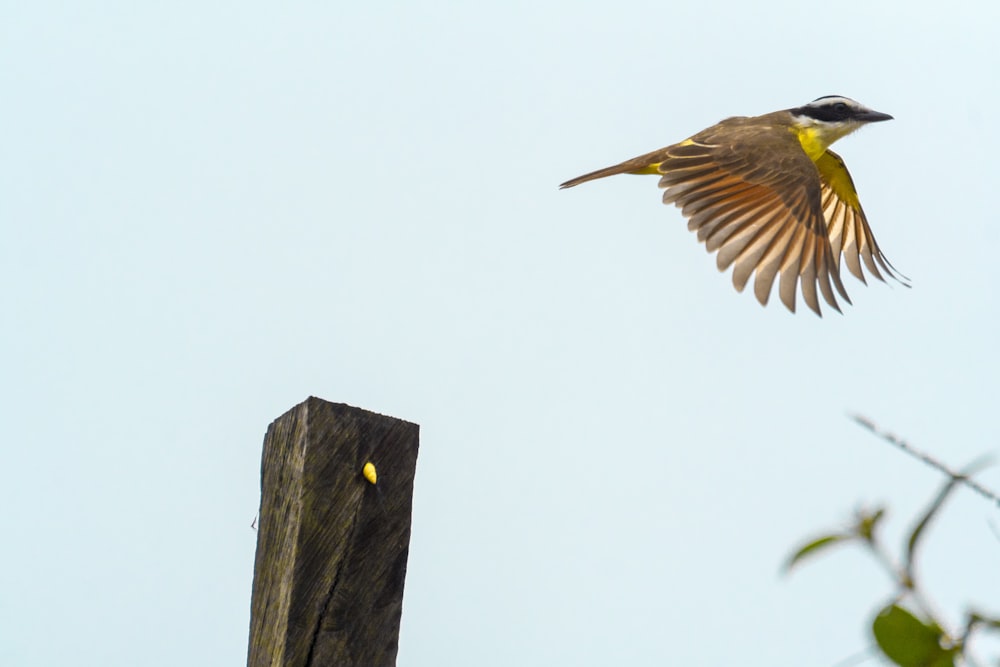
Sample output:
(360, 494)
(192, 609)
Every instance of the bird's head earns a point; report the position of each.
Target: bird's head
(833, 117)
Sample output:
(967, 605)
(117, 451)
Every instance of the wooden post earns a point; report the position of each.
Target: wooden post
(331, 546)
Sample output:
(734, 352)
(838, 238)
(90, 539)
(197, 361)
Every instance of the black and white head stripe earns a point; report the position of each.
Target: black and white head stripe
(838, 109)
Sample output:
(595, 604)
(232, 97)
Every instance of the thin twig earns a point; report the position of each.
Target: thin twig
(858, 658)
(934, 463)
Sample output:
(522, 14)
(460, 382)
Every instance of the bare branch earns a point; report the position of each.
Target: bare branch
(960, 477)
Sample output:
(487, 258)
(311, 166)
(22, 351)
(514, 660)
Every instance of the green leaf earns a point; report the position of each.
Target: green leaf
(910, 642)
(951, 485)
(813, 547)
(911, 547)
(867, 522)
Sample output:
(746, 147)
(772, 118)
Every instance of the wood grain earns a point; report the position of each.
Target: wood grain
(331, 547)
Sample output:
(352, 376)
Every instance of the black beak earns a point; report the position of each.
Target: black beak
(870, 116)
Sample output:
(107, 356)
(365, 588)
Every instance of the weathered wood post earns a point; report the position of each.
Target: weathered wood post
(331, 545)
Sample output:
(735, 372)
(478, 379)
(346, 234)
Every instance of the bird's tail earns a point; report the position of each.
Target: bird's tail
(644, 164)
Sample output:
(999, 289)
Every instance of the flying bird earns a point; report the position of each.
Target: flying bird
(769, 196)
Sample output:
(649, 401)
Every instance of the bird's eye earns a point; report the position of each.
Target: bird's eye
(840, 107)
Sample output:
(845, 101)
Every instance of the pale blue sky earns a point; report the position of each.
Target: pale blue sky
(214, 210)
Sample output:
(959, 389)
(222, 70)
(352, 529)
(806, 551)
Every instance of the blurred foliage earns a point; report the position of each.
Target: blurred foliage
(906, 629)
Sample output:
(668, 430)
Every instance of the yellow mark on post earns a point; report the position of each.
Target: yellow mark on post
(369, 472)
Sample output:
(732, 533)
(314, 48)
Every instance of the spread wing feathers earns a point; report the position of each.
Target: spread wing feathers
(847, 224)
(763, 216)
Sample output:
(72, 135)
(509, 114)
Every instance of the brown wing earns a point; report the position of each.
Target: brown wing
(847, 224)
(752, 194)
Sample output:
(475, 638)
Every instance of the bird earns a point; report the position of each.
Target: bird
(771, 198)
